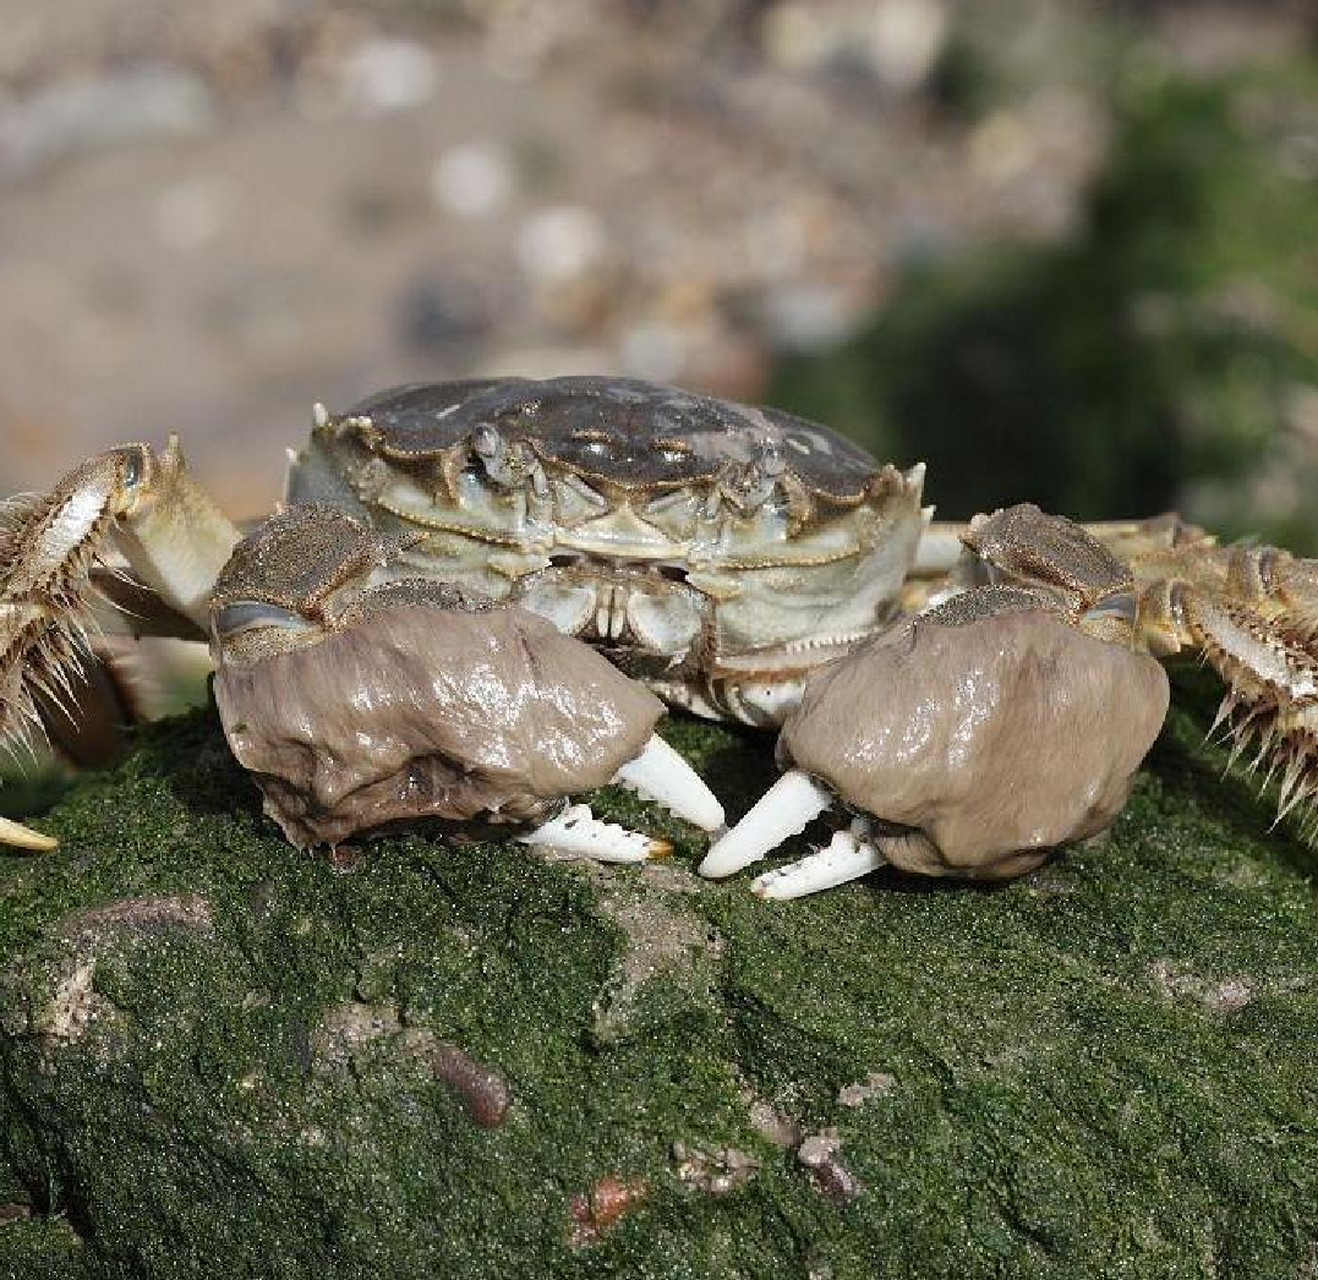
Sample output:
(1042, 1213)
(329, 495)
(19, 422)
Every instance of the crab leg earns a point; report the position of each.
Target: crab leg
(577, 830)
(850, 855)
(21, 837)
(661, 775)
(143, 503)
(785, 809)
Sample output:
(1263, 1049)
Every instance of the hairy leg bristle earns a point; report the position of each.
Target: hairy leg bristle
(1281, 741)
(48, 548)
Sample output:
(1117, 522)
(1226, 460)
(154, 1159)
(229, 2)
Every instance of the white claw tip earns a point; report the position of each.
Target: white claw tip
(577, 830)
(785, 809)
(319, 414)
(661, 775)
(21, 837)
(847, 857)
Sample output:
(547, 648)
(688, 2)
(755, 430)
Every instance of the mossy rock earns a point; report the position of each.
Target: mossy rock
(223, 1058)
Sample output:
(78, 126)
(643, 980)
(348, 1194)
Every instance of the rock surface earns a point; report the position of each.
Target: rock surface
(219, 1057)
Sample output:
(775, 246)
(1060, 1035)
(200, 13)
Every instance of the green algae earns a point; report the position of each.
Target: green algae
(213, 1050)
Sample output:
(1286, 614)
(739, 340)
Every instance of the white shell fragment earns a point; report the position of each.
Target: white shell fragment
(784, 810)
(21, 837)
(661, 775)
(577, 830)
(849, 856)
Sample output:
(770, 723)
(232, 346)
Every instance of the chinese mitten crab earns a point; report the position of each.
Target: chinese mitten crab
(417, 634)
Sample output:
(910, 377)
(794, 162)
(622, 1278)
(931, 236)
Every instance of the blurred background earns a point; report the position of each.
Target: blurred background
(1062, 251)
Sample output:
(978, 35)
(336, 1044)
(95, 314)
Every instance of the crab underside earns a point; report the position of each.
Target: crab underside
(475, 591)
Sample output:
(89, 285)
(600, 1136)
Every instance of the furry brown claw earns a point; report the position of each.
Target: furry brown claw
(362, 701)
(1010, 716)
(971, 741)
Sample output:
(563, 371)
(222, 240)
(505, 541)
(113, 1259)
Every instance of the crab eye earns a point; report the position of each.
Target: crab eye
(251, 615)
(485, 440)
(133, 468)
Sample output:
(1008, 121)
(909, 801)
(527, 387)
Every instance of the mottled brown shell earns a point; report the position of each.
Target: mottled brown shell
(620, 431)
(412, 713)
(997, 739)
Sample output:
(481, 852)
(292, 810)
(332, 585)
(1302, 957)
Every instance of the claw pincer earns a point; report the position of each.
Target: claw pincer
(972, 740)
(362, 705)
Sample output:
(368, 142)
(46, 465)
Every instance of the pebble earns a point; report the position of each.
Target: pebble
(795, 35)
(717, 1173)
(435, 314)
(819, 1153)
(473, 180)
(561, 242)
(191, 212)
(655, 350)
(877, 1084)
(382, 75)
(898, 42)
(906, 40)
(806, 316)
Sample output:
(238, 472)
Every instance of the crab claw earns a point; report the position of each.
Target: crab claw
(980, 736)
(21, 837)
(850, 855)
(577, 830)
(661, 775)
(786, 809)
(362, 706)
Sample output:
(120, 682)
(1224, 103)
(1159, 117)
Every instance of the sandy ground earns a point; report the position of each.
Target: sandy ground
(210, 220)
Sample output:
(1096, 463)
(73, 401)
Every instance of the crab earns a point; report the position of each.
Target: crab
(477, 596)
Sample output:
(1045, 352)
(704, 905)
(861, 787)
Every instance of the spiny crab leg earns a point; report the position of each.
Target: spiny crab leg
(786, 809)
(577, 830)
(661, 775)
(848, 856)
(131, 499)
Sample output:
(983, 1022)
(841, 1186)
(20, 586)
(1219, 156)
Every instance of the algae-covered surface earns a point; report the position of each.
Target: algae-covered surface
(224, 1058)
